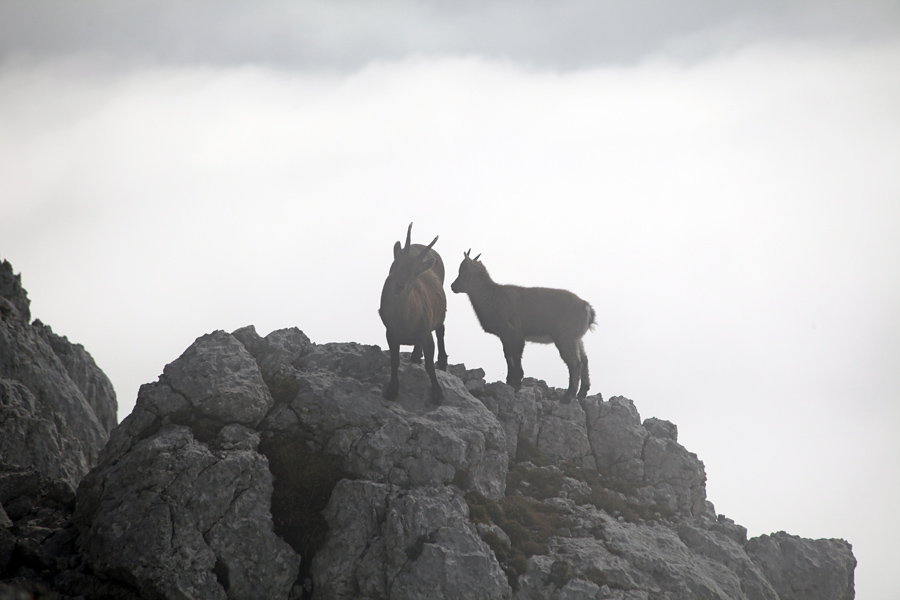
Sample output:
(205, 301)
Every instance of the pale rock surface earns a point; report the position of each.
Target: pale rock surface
(803, 569)
(617, 437)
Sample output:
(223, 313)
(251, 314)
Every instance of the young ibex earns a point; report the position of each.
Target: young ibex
(413, 305)
(519, 314)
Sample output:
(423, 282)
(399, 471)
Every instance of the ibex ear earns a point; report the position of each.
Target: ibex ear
(397, 249)
(427, 264)
(477, 257)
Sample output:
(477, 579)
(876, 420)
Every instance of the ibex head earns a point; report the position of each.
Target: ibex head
(408, 266)
(468, 269)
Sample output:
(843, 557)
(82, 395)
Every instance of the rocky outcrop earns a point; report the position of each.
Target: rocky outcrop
(38, 554)
(272, 467)
(493, 494)
(801, 569)
(56, 410)
(189, 472)
(93, 383)
(179, 518)
(56, 406)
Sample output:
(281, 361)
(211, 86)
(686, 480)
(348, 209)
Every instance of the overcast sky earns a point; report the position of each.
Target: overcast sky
(720, 180)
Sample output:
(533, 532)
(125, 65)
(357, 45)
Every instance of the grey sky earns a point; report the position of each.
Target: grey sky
(719, 179)
(346, 35)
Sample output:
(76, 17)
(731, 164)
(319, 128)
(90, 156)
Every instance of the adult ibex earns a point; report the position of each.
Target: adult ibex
(413, 305)
(519, 314)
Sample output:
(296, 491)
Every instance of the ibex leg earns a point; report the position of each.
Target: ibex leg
(394, 385)
(568, 350)
(512, 350)
(585, 374)
(442, 353)
(428, 347)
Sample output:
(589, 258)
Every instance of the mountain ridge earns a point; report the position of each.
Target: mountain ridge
(273, 467)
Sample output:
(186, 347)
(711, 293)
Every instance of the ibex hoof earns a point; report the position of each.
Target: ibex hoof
(437, 397)
(390, 392)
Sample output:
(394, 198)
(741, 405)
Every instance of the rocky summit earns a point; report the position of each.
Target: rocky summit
(272, 467)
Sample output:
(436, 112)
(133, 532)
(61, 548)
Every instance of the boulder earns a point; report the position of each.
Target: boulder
(617, 437)
(179, 518)
(804, 569)
(389, 542)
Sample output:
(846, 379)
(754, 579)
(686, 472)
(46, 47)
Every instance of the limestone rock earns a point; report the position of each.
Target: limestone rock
(179, 505)
(38, 556)
(56, 406)
(220, 381)
(676, 476)
(177, 518)
(726, 551)
(634, 560)
(395, 543)
(804, 569)
(14, 303)
(331, 396)
(85, 374)
(617, 437)
(273, 467)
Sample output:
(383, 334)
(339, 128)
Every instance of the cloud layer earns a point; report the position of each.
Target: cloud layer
(565, 35)
(721, 185)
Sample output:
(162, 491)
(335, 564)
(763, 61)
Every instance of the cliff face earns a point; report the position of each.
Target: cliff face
(274, 468)
(56, 406)
(56, 410)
